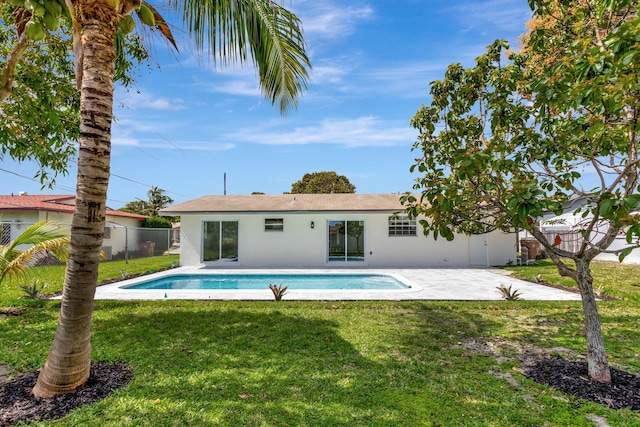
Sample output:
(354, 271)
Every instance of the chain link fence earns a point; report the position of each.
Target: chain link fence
(120, 242)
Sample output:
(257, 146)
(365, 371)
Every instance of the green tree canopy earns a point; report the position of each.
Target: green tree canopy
(156, 200)
(502, 145)
(39, 102)
(322, 183)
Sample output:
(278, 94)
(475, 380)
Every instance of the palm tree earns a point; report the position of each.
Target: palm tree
(45, 238)
(231, 30)
(157, 200)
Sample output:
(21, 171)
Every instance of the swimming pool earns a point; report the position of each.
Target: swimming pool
(262, 281)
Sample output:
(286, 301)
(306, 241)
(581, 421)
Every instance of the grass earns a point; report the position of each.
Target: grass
(53, 275)
(363, 363)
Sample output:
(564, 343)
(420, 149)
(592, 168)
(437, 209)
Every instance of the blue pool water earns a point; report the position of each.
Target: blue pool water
(262, 281)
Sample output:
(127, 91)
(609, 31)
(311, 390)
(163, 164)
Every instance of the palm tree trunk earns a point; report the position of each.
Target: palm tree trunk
(598, 365)
(68, 363)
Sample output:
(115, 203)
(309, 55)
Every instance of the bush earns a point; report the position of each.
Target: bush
(156, 222)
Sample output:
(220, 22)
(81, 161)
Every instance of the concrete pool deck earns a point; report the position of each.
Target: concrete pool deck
(452, 284)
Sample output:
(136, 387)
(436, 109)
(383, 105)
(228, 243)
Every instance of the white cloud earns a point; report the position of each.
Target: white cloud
(240, 87)
(124, 141)
(329, 72)
(501, 14)
(359, 132)
(144, 100)
(332, 21)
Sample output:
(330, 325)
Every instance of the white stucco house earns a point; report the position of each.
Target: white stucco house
(18, 211)
(322, 231)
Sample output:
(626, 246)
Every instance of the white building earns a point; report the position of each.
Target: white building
(322, 231)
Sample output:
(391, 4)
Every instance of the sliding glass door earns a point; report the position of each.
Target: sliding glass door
(220, 241)
(346, 241)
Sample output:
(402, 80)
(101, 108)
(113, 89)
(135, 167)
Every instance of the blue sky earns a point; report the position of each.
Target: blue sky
(186, 122)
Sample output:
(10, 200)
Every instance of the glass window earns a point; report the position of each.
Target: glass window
(220, 241)
(274, 224)
(402, 226)
(346, 241)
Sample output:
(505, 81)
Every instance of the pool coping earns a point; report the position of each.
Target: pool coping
(451, 284)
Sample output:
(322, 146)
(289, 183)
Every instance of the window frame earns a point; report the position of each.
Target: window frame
(222, 234)
(345, 240)
(402, 226)
(273, 224)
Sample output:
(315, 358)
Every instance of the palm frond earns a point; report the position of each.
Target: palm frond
(234, 30)
(162, 25)
(45, 239)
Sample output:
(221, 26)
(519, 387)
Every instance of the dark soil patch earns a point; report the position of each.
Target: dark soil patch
(11, 312)
(600, 296)
(17, 403)
(572, 378)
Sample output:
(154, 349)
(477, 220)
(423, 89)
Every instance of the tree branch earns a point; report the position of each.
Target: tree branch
(9, 71)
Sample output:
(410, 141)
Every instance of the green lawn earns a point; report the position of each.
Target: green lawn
(200, 363)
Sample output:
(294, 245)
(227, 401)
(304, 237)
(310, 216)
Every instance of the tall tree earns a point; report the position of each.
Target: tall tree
(140, 207)
(322, 183)
(231, 31)
(502, 145)
(157, 200)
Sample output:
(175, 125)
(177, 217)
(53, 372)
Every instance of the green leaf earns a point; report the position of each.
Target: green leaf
(628, 57)
(605, 207)
(523, 211)
(632, 201)
(624, 253)
(512, 203)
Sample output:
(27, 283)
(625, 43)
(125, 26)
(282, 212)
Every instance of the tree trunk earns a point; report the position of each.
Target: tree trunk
(596, 355)
(68, 363)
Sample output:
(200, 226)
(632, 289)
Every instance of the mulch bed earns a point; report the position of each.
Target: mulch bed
(572, 378)
(17, 403)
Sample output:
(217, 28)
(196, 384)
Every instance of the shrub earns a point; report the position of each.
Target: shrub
(156, 222)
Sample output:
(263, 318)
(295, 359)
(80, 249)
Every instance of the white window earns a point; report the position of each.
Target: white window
(274, 224)
(402, 226)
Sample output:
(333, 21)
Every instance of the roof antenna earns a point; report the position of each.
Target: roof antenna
(225, 183)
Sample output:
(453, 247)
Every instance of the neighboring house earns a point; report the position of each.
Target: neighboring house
(21, 210)
(322, 230)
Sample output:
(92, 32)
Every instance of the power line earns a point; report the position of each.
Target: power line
(73, 190)
(139, 183)
(35, 180)
(61, 187)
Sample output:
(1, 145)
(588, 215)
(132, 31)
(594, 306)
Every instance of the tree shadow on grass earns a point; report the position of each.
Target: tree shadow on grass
(266, 364)
(242, 363)
(245, 364)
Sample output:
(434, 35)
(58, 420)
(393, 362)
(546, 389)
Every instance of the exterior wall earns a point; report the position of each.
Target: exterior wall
(300, 246)
(502, 248)
(26, 217)
(18, 221)
(59, 217)
(620, 243)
